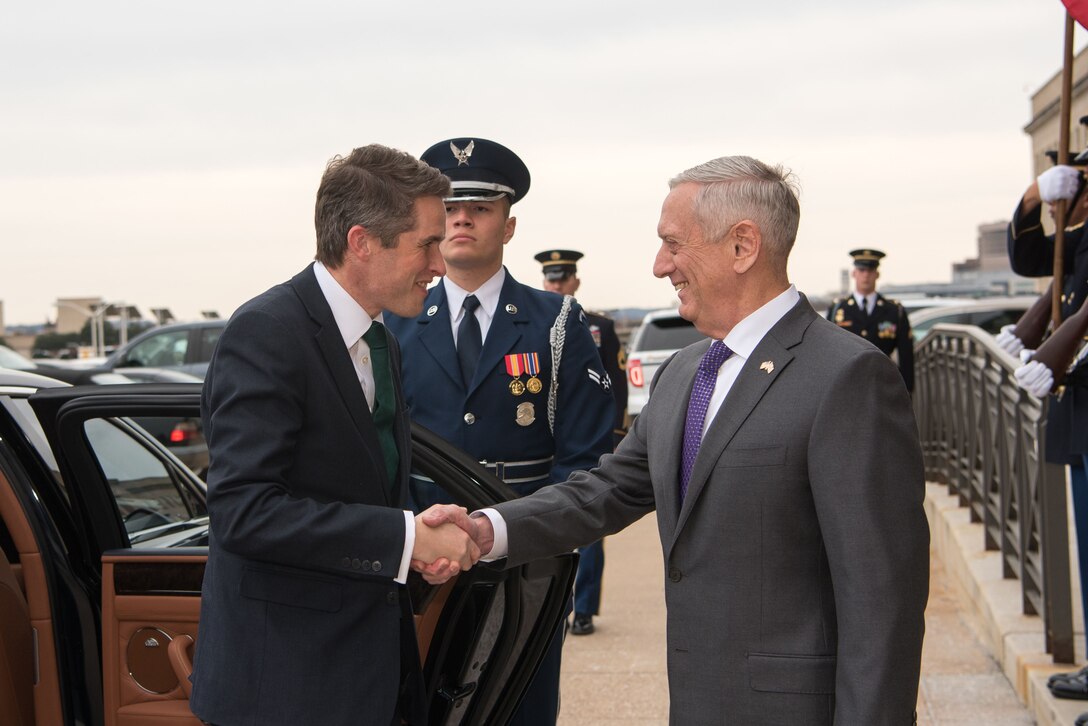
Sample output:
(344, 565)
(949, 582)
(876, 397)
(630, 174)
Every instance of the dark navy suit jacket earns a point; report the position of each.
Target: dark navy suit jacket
(484, 419)
(301, 621)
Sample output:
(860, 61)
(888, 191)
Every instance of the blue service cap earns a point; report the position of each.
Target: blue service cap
(479, 169)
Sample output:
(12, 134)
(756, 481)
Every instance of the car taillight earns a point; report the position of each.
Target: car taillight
(183, 432)
(634, 372)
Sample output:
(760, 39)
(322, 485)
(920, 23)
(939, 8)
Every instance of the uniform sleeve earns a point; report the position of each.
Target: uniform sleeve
(584, 406)
(1031, 251)
(615, 362)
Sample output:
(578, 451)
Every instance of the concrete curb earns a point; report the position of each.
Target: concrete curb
(994, 605)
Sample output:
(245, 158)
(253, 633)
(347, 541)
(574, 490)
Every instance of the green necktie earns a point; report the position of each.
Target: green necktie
(385, 398)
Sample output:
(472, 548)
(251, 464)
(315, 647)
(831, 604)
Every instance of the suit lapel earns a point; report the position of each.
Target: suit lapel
(755, 379)
(331, 344)
(505, 331)
(666, 445)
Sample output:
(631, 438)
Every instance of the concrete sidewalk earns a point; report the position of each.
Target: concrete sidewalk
(617, 675)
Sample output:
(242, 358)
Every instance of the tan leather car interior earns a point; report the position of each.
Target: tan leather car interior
(31, 594)
(148, 627)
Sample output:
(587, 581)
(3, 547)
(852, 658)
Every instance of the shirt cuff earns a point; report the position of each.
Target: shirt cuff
(409, 547)
(501, 546)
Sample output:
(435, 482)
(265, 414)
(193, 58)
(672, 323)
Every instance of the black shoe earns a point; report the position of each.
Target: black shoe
(1067, 676)
(1082, 720)
(583, 625)
(1075, 687)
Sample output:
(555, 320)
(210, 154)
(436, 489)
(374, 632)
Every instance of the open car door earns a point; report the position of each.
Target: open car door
(141, 528)
(143, 536)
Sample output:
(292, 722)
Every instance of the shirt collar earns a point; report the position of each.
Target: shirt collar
(745, 335)
(488, 294)
(349, 315)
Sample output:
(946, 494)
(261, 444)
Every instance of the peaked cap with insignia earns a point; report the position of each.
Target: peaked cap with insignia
(558, 263)
(868, 259)
(479, 169)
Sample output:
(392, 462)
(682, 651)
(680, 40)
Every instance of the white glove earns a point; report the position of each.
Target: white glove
(1058, 182)
(1026, 354)
(1008, 341)
(1035, 378)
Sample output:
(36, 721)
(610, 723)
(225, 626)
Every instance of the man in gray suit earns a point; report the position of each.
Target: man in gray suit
(783, 461)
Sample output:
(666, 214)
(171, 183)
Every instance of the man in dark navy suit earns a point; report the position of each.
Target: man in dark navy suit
(880, 320)
(560, 269)
(504, 371)
(304, 617)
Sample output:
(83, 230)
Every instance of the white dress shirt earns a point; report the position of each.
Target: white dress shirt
(865, 302)
(488, 295)
(353, 321)
(742, 340)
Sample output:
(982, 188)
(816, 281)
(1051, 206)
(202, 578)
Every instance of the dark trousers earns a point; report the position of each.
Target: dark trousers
(1078, 480)
(587, 583)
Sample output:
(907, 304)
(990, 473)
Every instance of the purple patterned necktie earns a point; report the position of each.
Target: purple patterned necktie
(705, 378)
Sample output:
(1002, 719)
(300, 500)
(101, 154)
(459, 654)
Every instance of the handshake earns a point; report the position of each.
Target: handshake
(448, 541)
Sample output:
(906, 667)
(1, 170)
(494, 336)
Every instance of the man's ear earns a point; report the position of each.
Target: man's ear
(360, 242)
(508, 233)
(747, 244)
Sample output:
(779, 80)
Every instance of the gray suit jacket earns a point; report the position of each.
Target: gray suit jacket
(797, 568)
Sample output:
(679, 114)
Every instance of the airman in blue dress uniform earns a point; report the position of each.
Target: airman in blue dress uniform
(502, 370)
(880, 320)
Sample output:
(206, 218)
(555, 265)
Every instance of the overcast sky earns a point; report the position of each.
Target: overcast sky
(167, 155)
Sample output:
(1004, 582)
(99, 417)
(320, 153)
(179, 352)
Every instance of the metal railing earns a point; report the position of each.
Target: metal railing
(984, 437)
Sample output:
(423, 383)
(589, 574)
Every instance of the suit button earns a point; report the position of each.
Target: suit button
(356, 564)
(470, 419)
(346, 562)
(675, 575)
(376, 566)
(392, 598)
(366, 565)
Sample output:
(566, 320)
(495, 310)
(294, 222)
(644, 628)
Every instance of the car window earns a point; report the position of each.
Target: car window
(208, 338)
(993, 320)
(144, 489)
(160, 351)
(668, 334)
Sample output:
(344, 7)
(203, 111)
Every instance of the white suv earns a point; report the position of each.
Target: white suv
(662, 333)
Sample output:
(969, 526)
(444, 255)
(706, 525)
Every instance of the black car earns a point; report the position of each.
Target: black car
(104, 534)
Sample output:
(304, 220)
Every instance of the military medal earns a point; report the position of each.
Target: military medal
(526, 414)
(523, 363)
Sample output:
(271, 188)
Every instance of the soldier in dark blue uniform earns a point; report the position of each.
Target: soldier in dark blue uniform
(560, 269)
(881, 321)
(504, 371)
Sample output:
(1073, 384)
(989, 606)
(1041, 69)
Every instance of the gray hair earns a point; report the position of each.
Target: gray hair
(375, 187)
(740, 187)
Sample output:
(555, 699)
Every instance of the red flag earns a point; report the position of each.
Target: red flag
(1078, 9)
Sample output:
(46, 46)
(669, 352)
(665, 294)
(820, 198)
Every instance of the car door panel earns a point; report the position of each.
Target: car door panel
(150, 598)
